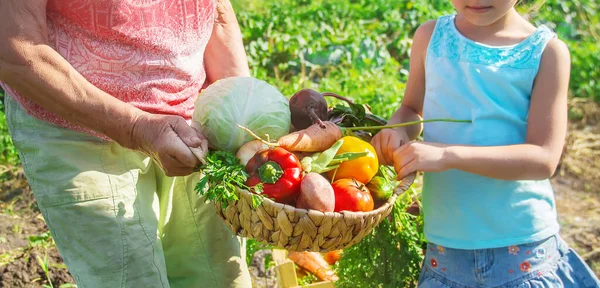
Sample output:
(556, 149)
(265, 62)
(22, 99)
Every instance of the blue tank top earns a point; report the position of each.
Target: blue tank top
(491, 86)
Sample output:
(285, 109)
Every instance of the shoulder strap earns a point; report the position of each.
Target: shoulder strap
(437, 43)
(539, 40)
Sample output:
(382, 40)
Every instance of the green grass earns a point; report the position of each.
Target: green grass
(8, 153)
(330, 44)
(360, 48)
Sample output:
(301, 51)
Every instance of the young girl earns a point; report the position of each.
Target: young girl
(490, 214)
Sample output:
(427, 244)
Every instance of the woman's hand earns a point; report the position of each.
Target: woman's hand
(419, 156)
(168, 139)
(386, 142)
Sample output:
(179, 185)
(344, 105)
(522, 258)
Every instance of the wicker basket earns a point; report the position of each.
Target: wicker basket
(296, 229)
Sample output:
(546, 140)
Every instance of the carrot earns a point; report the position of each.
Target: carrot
(314, 263)
(332, 256)
(312, 139)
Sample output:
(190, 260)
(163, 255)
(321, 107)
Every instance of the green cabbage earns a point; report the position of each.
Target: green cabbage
(246, 101)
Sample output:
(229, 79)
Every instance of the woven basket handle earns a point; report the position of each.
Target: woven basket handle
(405, 183)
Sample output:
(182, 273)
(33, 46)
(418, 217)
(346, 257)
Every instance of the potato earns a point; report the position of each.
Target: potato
(316, 193)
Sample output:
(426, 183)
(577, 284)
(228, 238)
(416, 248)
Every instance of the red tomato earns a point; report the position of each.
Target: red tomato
(351, 195)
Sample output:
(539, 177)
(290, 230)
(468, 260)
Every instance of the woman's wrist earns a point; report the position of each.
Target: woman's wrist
(126, 135)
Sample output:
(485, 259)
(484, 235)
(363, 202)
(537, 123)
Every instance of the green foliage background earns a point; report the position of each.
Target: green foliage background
(8, 153)
(360, 48)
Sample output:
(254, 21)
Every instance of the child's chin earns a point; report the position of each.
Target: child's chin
(480, 20)
(484, 19)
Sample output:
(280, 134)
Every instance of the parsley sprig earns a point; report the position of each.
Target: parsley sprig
(223, 173)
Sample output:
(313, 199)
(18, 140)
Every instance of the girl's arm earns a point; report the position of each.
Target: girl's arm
(411, 108)
(388, 140)
(225, 55)
(546, 131)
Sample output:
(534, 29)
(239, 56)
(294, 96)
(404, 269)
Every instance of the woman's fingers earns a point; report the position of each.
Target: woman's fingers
(178, 150)
(173, 167)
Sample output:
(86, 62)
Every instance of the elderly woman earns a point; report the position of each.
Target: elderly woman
(99, 99)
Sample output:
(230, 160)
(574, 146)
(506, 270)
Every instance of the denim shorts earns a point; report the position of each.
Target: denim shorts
(546, 263)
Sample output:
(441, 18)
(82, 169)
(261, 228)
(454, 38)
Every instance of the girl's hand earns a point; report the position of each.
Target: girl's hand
(419, 156)
(386, 142)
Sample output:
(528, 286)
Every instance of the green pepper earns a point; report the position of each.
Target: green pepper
(383, 184)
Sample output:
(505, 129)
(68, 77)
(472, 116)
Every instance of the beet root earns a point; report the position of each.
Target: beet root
(307, 107)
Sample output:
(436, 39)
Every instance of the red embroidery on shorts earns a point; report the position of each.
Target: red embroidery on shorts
(525, 266)
(433, 263)
(527, 252)
(441, 249)
(513, 250)
(511, 271)
(444, 269)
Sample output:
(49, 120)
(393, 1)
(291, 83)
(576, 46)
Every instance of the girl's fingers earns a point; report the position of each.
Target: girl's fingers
(379, 149)
(406, 170)
(399, 155)
(401, 159)
(405, 159)
(393, 142)
(403, 147)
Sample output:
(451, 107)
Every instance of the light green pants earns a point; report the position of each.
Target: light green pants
(117, 220)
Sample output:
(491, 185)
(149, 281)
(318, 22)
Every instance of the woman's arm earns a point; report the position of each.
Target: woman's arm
(225, 55)
(28, 65)
(35, 70)
(546, 130)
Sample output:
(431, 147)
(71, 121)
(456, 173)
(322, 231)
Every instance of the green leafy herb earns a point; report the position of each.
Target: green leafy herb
(307, 279)
(389, 257)
(223, 175)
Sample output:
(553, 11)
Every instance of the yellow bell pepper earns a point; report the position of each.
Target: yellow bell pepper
(361, 169)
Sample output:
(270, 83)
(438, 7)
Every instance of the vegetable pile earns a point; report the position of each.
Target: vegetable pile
(298, 152)
(310, 165)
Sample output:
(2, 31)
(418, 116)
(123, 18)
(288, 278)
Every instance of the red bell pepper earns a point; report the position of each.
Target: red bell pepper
(279, 171)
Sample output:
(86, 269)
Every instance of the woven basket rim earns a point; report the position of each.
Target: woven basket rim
(405, 183)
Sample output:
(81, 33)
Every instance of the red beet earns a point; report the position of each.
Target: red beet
(307, 107)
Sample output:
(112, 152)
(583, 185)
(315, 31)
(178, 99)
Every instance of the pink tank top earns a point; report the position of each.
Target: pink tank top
(149, 53)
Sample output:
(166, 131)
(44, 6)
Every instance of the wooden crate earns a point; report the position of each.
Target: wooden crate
(286, 272)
